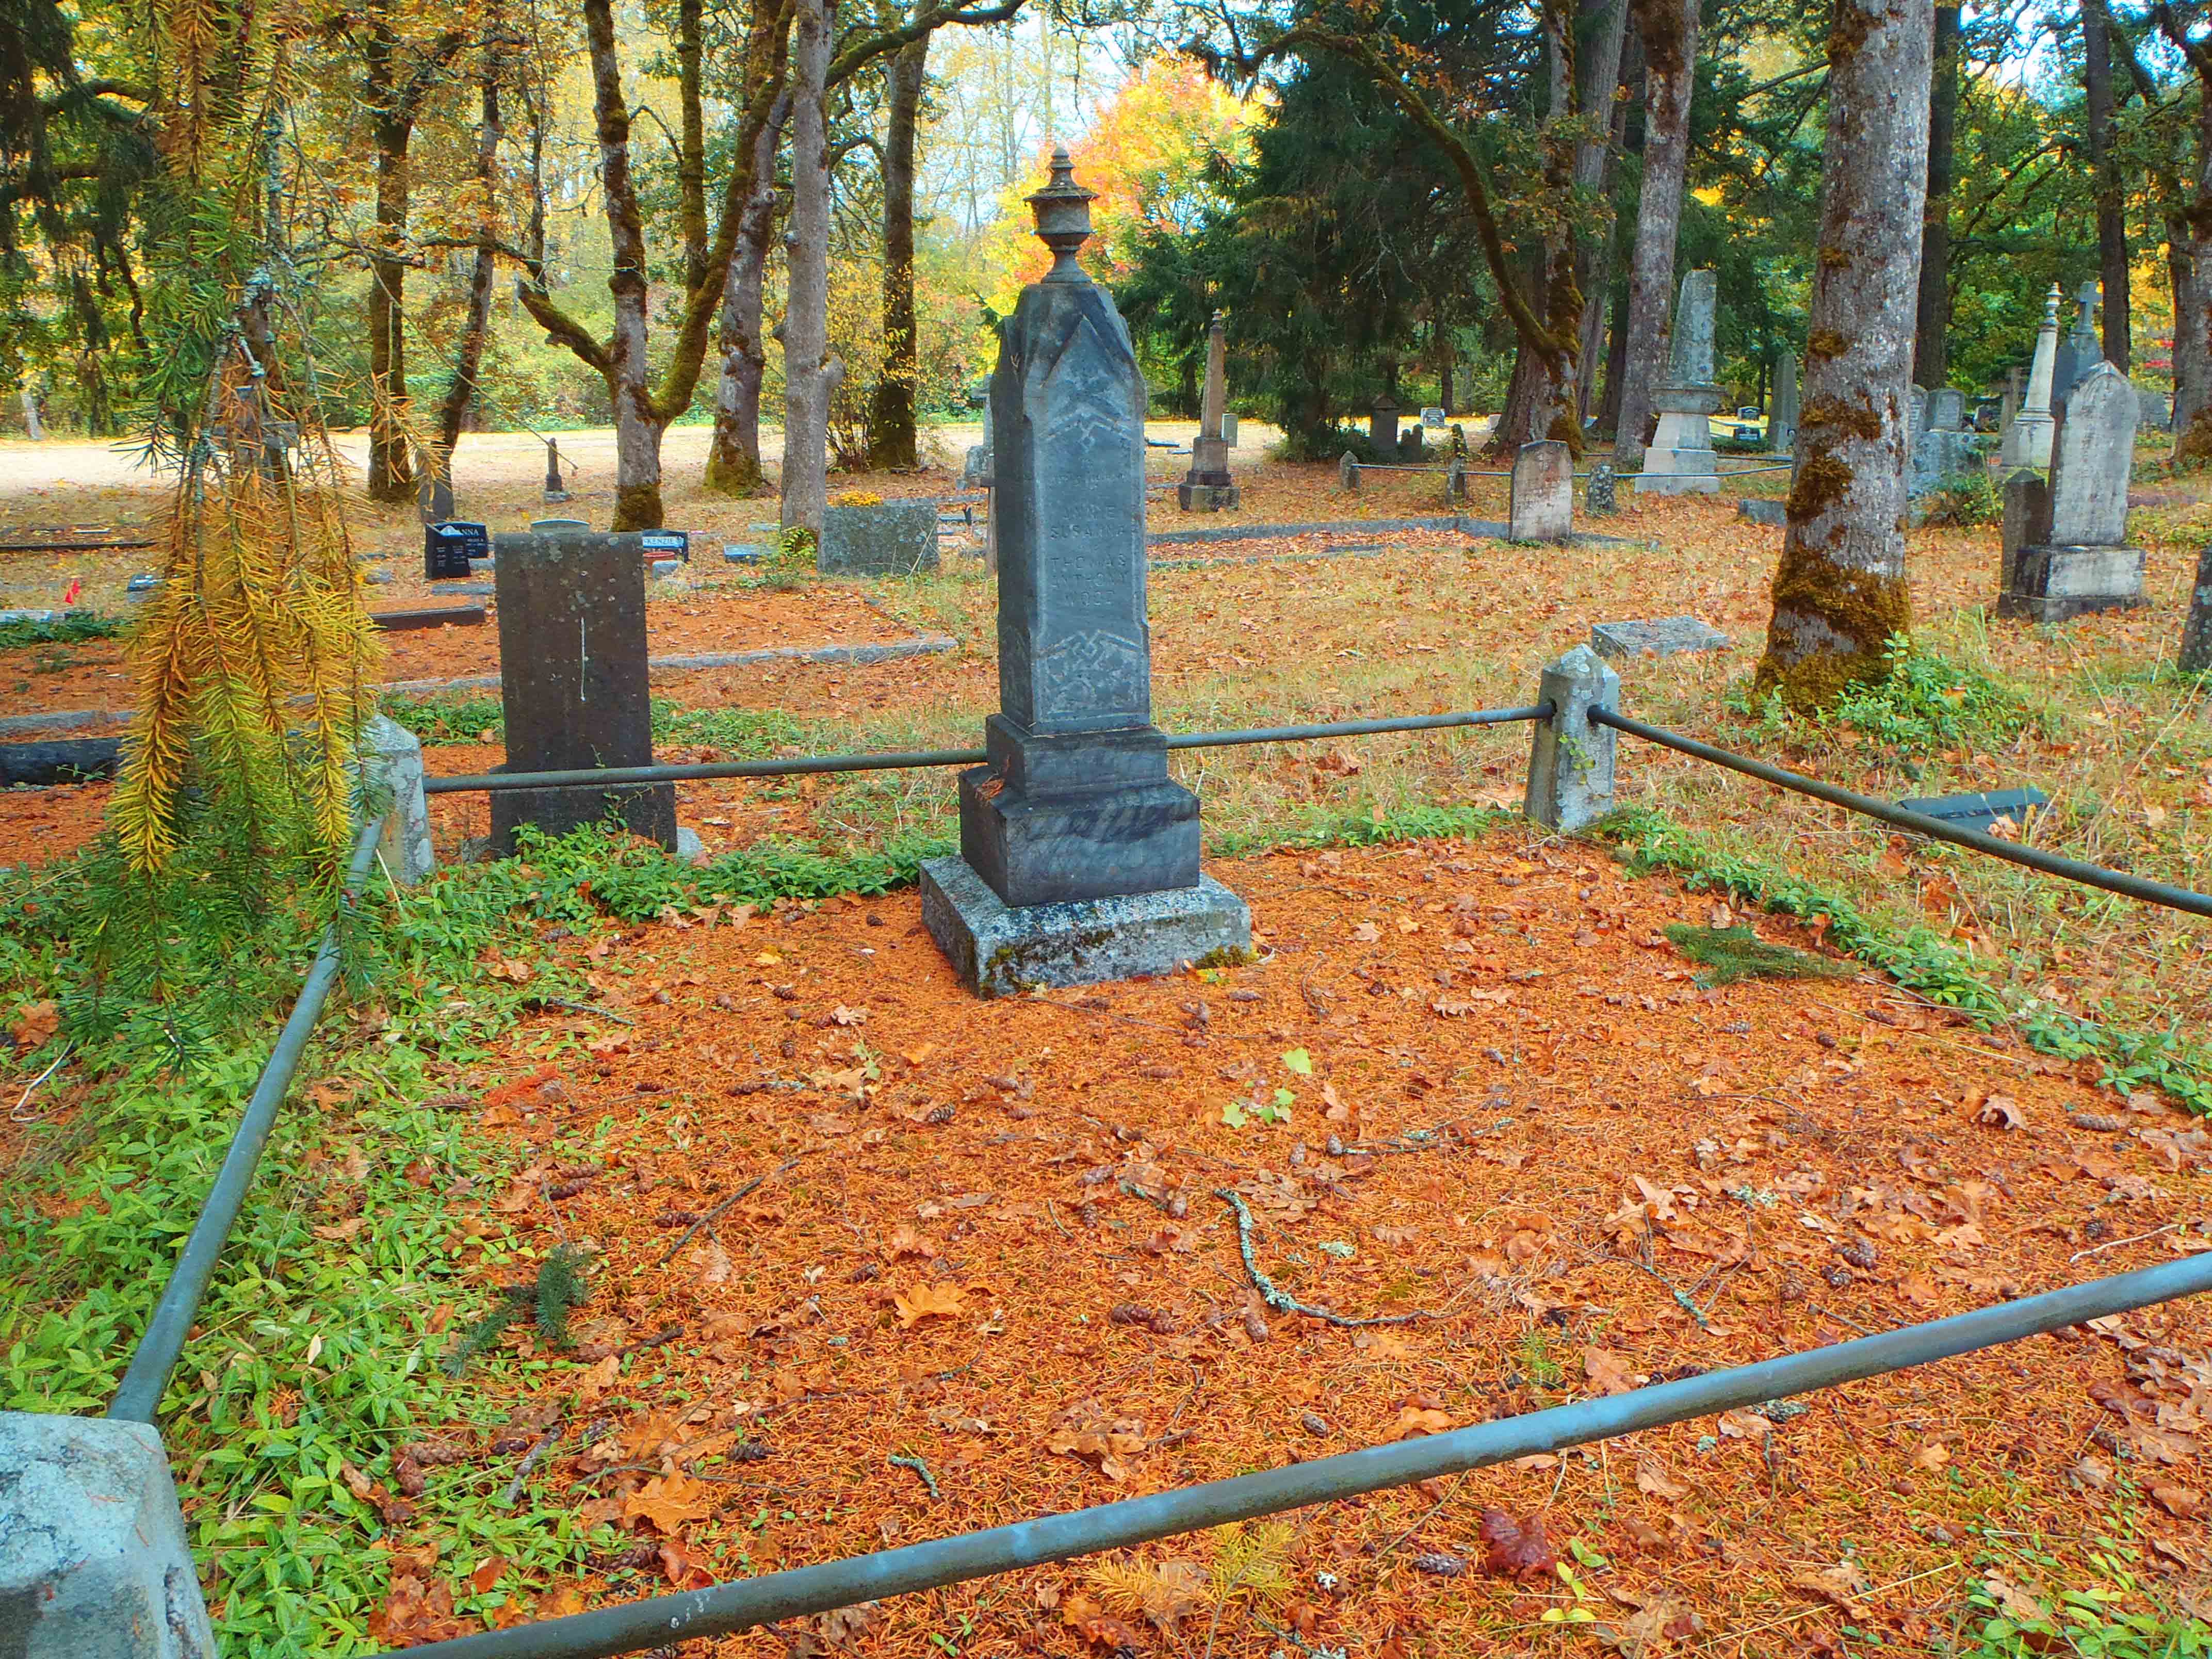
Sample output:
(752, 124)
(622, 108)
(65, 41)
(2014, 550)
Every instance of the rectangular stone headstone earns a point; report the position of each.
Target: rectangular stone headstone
(1666, 636)
(2027, 523)
(1782, 419)
(1542, 501)
(882, 539)
(2091, 458)
(572, 666)
(448, 547)
(1769, 510)
(1947, 409)
(1383, 427)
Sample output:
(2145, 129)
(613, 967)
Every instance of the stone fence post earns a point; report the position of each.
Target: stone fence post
(1571, 761)
(94, 1563)
(393, 755)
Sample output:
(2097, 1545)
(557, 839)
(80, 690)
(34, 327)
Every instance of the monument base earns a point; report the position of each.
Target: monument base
(1039, 847)
(1208, 498)
(2053, 584)
(649, 810)
(999, 950)
(2027, 442)
(1680, 460)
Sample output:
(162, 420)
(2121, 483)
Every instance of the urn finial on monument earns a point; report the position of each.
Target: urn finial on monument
(1062, 208)
(1079, 852)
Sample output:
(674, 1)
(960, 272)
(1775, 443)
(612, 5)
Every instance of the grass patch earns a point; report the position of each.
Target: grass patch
(743, 733)
(1731, 954)
(1925, 703)
(1920, 958)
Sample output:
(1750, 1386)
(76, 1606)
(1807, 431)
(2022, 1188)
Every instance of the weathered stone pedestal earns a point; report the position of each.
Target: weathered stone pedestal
(94, 1562)
(1680, 460)
(2027, 436)
(1078, 854)
(1210, 487)
(571, 651)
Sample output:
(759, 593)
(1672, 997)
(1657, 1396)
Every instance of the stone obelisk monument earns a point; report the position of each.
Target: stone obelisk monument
(2028, 443)
(1209, 487)
(1078, 854)
(1680, 461)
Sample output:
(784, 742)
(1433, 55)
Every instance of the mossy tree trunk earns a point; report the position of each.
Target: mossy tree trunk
(1931, 344)
(2192, 312)
(891, 436)
(2111, 193)
(1840, 593)
(733, 462)
(806, 378)
(1668, 31)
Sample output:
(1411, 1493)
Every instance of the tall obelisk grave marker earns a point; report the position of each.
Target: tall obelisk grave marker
(1078, 854)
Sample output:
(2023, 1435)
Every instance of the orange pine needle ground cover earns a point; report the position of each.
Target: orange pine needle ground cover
(986, 1237)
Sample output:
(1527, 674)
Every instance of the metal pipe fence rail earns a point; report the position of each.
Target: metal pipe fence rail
(2032, 858)
(746, 1604)
(608, 777)
(138, 1396)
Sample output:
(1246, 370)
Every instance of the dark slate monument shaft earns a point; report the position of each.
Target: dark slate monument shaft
(572, 652)
(1076, 802)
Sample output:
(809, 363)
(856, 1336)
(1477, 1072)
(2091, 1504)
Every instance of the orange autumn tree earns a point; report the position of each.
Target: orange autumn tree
(1149, 158)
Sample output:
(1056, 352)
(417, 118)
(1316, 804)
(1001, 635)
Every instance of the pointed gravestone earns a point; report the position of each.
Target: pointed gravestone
(2027, 440)
(1209, 487)
(1782, 421)
(1078, 854)
(1680, 460)
(2081, 562)
(2079, 352)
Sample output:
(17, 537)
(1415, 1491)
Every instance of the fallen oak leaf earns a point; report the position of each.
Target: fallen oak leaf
(1517, 1549)
(669, 1502)
(937, 1301)
(1843, 1585)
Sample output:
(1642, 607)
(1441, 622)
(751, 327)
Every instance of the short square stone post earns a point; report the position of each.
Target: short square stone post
(1078, 854)
(393, 756)
(572, 652)
(1570, 760)
(94, 1561)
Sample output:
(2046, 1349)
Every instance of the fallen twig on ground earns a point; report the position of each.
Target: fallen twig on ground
(900, 1461)
(545, 1442)
(1281, 1300)
(750, 1187)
